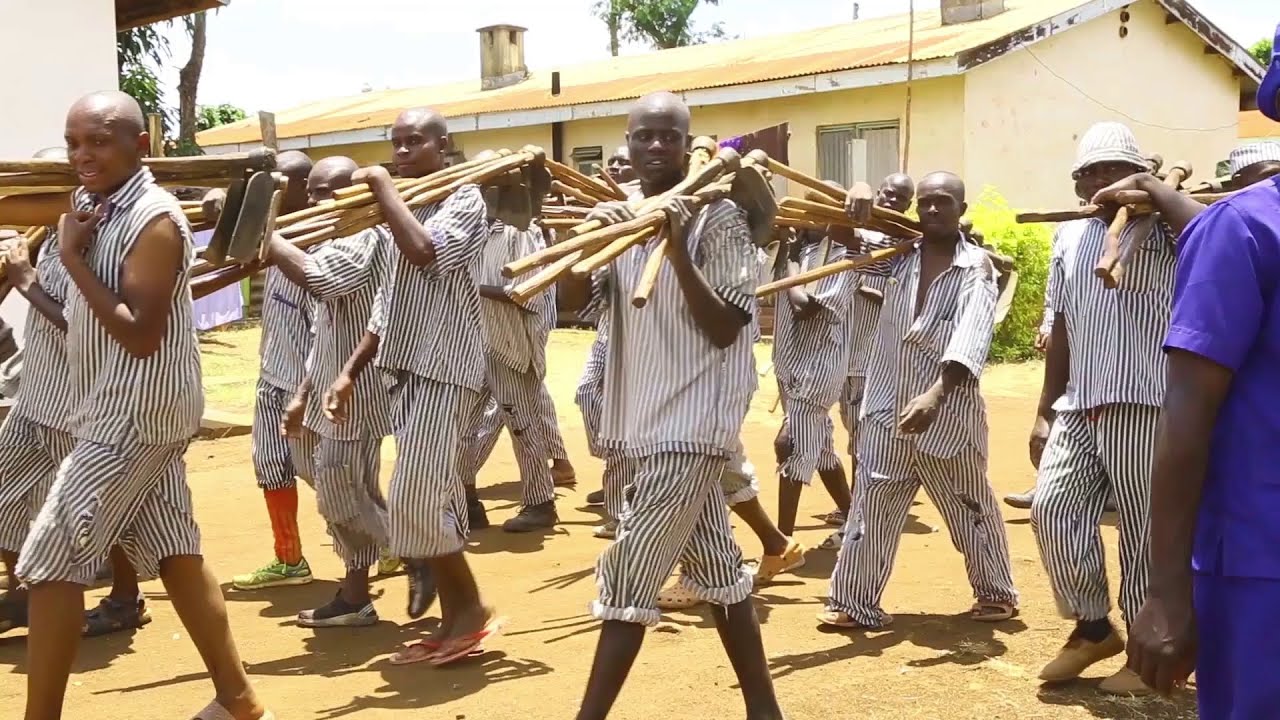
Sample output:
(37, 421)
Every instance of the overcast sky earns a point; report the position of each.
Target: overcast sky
(274, 54)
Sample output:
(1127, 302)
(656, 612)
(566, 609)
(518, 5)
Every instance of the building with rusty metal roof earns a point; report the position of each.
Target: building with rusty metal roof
(999, 92)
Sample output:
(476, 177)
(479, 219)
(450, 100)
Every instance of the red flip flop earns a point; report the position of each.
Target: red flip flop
(419, 650)
(467, 645)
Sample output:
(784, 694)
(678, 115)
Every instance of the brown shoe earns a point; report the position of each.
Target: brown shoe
(1125, 683)
(1077, 655)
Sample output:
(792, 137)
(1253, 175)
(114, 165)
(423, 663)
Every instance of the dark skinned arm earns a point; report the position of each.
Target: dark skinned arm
(48, 307)
(289, 260)
(410, 236)
(138, 316)
(1196, 389)
(1177, 209)
(498, 293)
(719, 320)
(803, 305)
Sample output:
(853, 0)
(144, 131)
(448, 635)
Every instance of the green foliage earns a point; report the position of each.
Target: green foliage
(660, 23)
(139, 52)
(212, 116)
(1028, 245)
(1261, 51)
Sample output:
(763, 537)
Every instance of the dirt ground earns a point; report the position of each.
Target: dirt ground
(931, 664)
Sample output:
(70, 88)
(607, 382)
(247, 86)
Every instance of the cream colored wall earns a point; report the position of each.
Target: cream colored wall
(36, 99)
(1022, 124)
(936, 133)
(469, 143)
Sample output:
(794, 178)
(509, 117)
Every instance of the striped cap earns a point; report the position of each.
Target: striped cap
(1246, 155)
(1109, 142)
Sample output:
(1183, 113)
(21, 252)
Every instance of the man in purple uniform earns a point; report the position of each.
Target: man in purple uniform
(1215, 506)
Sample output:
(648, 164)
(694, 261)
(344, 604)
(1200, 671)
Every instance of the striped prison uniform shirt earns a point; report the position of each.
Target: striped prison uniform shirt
(35, 436)
(811, 360)
(432, 350)
(949, 459)
(1046, 322)
(288, 313)
(1103, 438)
(864, 316)
(516, 349)
(674, 404)
(125, 479)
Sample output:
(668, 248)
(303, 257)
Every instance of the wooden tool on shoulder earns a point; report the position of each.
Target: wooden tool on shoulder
(1115, 259)
(34, 176)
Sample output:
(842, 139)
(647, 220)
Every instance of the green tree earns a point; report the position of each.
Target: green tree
(139, 52)
(660, 23)
(1261, 51)
(211, 116)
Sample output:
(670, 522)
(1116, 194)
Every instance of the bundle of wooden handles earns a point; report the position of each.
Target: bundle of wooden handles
(591, 244)
(23, 177)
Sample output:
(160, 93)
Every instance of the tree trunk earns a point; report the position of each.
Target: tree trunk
(613, 21)
(189, 82)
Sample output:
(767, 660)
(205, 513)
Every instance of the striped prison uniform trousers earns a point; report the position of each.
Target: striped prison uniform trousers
(1090, 455)
(550, 425)
(890, 473)
(30, 454)
(344, 474)
(428, 502)
(131, 495)
(675, 513)
(812, 437)
(516, 395)
(851, 407)
(590, 400)
(273, 463)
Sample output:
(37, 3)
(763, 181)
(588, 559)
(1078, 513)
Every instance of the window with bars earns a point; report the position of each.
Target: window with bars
(866, 152)
(584, 158)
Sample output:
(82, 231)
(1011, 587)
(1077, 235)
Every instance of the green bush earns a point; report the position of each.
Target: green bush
(1028, 245)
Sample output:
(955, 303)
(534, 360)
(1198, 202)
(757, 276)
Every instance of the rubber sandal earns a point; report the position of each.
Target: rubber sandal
(771, 566)
(842, 620)
(833, 541)
(677, 597)
(1003, 611)
(112, 616)
(835, 517)
(467, 645)
(215, 711)
(419, 650)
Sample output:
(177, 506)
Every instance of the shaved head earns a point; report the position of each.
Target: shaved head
(424, 120)
(419, 142)
(661, 103)
(329, 174)
(896, 192)
(297, 167)
(941, 204)
(117, 110)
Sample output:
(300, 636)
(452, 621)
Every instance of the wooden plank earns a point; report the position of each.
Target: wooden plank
(267, 125)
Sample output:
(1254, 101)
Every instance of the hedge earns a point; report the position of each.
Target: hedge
(1028, 245)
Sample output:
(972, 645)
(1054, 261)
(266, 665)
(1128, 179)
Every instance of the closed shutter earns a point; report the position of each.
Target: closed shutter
(883, 154)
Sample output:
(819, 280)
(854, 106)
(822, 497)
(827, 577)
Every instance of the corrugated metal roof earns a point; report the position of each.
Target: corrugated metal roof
(861, 44)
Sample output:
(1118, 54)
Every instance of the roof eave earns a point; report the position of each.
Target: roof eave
(1214, 37)
(851, 79)
(135, 13)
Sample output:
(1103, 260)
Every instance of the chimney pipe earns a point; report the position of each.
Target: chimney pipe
(501, 56)
(955, 12)
(555, 83)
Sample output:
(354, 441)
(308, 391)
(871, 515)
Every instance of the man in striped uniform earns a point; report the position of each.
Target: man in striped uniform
(340, 459)
(679, 374)
(134, 369)
(1095, 427)
(810, 359)
(516, 356)
(924, 421)
(424, 334)
(896, 192)
(287, 313)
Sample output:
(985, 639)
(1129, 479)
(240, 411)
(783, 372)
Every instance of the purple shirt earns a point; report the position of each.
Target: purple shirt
(1226, 308)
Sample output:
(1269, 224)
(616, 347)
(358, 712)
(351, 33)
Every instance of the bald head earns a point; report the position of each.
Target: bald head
(940, 200)
(657, 140)
(106, 140)
(419, 142)
(297, 167)
(329, 174)
(896, 192)
(117, 110)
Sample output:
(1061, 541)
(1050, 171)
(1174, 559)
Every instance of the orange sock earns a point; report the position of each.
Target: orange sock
(282, 507)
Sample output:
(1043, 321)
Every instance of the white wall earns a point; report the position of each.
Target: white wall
(68, 49)
(59, 50)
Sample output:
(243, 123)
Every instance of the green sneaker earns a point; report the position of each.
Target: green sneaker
(274, 574)
(389, 564)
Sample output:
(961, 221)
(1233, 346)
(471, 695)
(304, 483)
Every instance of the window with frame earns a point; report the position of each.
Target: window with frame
(867, 152)
(585, 158)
